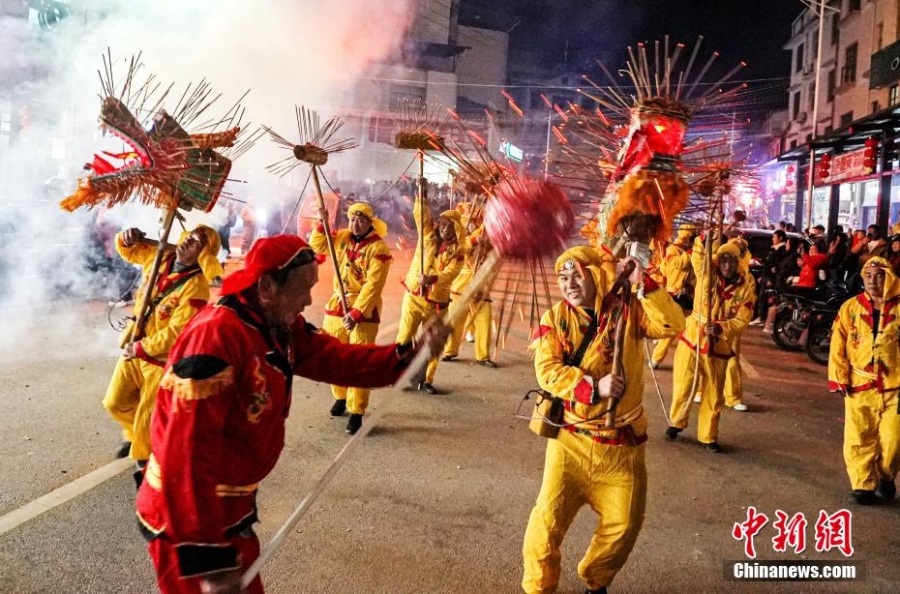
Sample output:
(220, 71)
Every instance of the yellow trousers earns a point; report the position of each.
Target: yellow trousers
(481, 317)
(130, 399)
(734, 380)
(364, 333)
(415, 312)
(579, 471)
(871, 438)
(712, 382)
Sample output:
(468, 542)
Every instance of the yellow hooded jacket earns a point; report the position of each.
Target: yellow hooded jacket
(561, 331)
(860, 357)
(732, 303)
(180, 301)
(442, 259)
(364, 267)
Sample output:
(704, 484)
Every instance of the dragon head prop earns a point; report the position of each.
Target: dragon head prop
(162, 165)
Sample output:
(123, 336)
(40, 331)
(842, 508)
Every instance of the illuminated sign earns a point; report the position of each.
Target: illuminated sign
(512, 151)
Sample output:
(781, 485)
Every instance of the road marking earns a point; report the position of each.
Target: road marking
(63, 494)
(752, 373)
(83, 484)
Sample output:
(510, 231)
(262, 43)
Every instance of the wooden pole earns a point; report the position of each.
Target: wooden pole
(330, 241)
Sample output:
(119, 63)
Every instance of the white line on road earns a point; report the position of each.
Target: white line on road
(87, 482)
(63, 494)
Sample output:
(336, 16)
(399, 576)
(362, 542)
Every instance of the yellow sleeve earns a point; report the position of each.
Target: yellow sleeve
(193, 296)
(317, 240)
(449, 273)
(732, 327)
(838, 362)
(141, 254)
(553, 375)
(376, 277)
(663, 317)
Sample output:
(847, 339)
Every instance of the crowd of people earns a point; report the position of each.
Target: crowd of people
(217, 380)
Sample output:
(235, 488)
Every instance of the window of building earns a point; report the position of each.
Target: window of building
(793, 144)
(406, 96)
(832, 79)
(879, 36)
(846, 119)
(828, 130)
(876, 107)
(808, 138)
(795, 105)
(848, 72)
(798, 58)
(892, 95)
(835, 28)
(812, 95)
(854, 5)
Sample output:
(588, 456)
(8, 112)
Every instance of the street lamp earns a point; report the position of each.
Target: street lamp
(813, 5)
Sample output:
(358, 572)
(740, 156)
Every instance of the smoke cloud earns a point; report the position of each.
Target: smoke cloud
(286, 53)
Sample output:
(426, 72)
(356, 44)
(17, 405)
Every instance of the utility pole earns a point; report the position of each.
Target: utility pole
(811, 170)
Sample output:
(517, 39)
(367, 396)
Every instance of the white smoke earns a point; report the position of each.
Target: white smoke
(285, 52)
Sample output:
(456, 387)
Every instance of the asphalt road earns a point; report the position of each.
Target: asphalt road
(436, 499)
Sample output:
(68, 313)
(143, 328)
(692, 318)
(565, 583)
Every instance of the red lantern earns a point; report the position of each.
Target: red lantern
(869, 154)
(825, 166)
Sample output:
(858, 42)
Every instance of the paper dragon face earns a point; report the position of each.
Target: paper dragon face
(165, 165)
(656, 136)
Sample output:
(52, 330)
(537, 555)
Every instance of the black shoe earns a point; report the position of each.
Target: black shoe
(426, 387)
(713, 447)
(672, 432)
(448, 357)
(887, 490)
(123, 450)
(354, 423)
(601, 590)
(338, 408)
(862, 497)
(487, 363)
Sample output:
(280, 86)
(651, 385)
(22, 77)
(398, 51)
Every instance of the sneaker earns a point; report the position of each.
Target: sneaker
(353, 423)
(487, 363)
(697, 398)
(338, 408)
(887, 490)
(600, 590)
(768, 330)
(740, 407)
(470, 337)
(756, 322)
(713, 447)
(448, 357)
(672, 432)
(863, 497)
(124, 450)
(654, 364)
(426, 387)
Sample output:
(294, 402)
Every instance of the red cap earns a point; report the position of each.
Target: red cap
(269, 254)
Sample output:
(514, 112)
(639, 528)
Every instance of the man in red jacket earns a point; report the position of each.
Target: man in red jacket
(218, 426)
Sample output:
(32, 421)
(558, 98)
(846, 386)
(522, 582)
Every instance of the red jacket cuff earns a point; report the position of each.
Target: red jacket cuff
(836, 387)
(355, 314)
(584, 391)
(650, 285)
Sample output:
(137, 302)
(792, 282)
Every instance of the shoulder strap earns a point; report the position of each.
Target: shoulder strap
(575, 361)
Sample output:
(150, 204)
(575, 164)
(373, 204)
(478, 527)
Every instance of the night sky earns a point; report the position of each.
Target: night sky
(576, 32)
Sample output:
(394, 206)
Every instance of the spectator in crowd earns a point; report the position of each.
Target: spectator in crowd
(876, 246)
(894, 254)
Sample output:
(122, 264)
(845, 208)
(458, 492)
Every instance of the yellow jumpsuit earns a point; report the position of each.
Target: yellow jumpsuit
(479, 314)
(364, 266)
(442, 259)
(734, 378)
(131, 394)
(676, 267)
(867, 365)
(732, 308)
(589, 464)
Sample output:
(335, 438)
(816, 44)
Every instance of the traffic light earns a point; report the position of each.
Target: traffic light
(825, 166)
(871, 145)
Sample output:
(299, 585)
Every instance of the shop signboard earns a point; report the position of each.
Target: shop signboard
(848, 165)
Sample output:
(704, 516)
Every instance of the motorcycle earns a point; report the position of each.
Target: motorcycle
(818, 340)
(796, 311)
